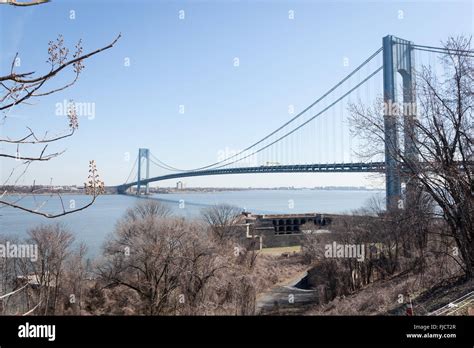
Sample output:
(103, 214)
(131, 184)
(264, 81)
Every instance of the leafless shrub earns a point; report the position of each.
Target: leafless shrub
(222, 220)
(148, 209)
(174, 267)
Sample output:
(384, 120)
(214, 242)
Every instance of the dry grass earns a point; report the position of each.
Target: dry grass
(272, 270)
(375, 299)
(280, 251)
(427, 292)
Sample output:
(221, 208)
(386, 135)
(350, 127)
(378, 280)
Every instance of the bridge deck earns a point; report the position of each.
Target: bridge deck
(300, 168)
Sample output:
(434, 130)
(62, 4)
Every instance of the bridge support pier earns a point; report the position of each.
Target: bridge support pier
(398, 58)
(143, 154)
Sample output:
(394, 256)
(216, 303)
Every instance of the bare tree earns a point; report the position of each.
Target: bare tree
(19, 88)
(441, 142)
(75, 282)
(148, 209)
(222, 220)
(171, 266)
(161, 259)
(54, 247)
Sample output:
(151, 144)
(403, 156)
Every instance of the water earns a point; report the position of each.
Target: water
(93, 224)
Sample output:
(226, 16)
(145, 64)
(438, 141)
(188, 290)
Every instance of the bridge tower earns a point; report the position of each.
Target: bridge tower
(143, 154)
(398, 58)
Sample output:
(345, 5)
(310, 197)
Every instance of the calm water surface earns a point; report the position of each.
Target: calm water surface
(92, 225)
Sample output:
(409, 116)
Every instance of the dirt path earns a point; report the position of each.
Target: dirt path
(288, 298)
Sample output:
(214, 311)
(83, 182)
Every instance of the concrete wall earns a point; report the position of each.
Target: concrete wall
(282, 240)
(272, 240)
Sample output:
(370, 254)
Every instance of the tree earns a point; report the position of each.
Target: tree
(171, 266)
(222, 220)
(54, 248)
(441, 142)
(18, 88)
(148, 209)
(154, 256)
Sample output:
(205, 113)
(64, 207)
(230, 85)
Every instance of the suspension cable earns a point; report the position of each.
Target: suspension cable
(158, 164)
(456, 53)
(285, 124)
(133, 169)
(162, 164)
(309, 120)
(447, 49)
(441, 50)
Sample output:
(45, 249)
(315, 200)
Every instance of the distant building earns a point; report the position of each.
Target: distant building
(281, 230)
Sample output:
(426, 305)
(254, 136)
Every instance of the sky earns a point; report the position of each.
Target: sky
(134, 91)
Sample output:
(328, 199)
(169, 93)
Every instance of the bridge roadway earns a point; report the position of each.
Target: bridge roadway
(297, 168)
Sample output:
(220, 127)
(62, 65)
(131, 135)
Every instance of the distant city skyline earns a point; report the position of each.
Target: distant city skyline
(171, 84)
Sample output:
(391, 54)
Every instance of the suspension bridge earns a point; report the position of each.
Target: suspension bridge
(322, 138)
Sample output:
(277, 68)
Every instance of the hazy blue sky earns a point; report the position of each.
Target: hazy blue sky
(190, 62)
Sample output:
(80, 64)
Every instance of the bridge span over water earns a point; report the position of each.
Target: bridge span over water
(322, 136)
(301, 168)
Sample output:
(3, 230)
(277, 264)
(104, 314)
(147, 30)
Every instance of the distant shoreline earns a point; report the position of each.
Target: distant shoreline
(170, 190)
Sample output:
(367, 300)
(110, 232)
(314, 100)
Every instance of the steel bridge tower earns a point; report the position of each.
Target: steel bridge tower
(398, 58)
(143, 154)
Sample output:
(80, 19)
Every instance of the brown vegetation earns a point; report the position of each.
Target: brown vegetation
(437, 155)
(152, 264)
(428, 241)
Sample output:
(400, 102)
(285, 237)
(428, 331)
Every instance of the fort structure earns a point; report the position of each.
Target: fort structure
(283, 230)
